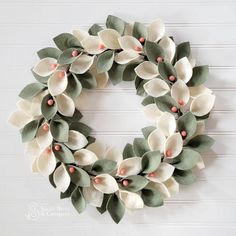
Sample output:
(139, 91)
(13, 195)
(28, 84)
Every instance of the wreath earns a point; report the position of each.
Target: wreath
(175, 100)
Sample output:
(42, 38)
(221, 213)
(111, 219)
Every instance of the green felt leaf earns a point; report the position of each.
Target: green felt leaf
(151, 197)
(150, 161)
(39, 78)
(31, 90)
(103, 166)
(79, 177)
(70, 119)
(166, 69)
(147, 131)
(139, 30)
(103, 207)
(78, 200)
(74, 86)
(200, 75)
(148, 100)
(115, 23)
(136, 183)
(187, 123)
(140, 90)
(64, 154)
(199, 118)
(183, 50)
(153, 50)
(48, 111)
(90, 140)
(137, 81)
(128, 151)
(87, 80)
(50, 178)
(49, 52)
(81, 127)
(94, 29)
(68, 192)
(165, 103)
(116, 73)
(59, 130)
(129, 73)
(66, 40)
(200, 143)
(29, 131)
(116, 208)
(105, 61)
(66, 56)
(140, 146)
(184, 177)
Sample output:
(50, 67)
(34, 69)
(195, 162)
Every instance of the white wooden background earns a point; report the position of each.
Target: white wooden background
(30, 206)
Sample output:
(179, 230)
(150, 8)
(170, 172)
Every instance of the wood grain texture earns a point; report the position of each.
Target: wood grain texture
(30, 206)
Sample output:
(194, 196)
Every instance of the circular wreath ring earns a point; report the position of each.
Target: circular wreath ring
(175, 100)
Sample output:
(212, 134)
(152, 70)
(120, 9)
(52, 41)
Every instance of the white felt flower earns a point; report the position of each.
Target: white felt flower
(199, 90)
(156, 87)
(156, 30)
(80, 34)
(152, 112)
(183, 69)
(173, 145)
(156, 140)
(147, 70)
(131, 200)
(126, 56)
(84, 157)
(43, 136)
(129, 166)
(76, 140)
(65, 105)
(169, 47)
(46, 67)
(166, 123)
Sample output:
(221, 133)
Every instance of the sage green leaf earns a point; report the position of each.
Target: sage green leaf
(183, 50)
(49, 52)
(59, 130)
(137, 81)
(200, 75)
(150, 161)
(66, 56)
(116, 73)
(66, 40)
(147, 131)
(103, 166)
(187, 123)
(148, 100)
(140, 146)
(81, 127)
(94, 29)
(139, 30)
(39, 78)
(116, 208)
(140, 90)
(90, 140)
(79, 177)
(153, 50)
(199, 118)
(103, 207)
(31, 90)
(76, 117)
(151, 197)
(166, 69)
(201, 143)
(128, 151)
(74, 86)
(165, 103)
(115, 23)
(184, 177)
(78, 200)
(64, 154)
(87, 80)
(29, 131)
(50, 178)
(48, 111)
(105, 61)
(129, 73)
(136, 183)
(68, 192)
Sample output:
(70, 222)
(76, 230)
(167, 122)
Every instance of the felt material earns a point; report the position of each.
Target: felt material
(85, 157)
(130, 166)
(156, 30)
(109, 37)
(175, 144)
(131, 200)
(169, 47)
(43, 68)
(147, 70)
(184, 69)
(81, 64)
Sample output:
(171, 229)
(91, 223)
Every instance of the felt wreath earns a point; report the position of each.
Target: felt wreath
(175, 100)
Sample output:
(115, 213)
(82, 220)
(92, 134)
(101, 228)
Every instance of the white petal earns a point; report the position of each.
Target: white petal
(156, 87)
(25, 106)
(156, 140)
(131, 200)
(200, 127)
(180, 91)
(172, 186)
(46, 163)
(161, 188)
(114, 154)
(65, 105)
(130, 166)
(82, 64)
(169, 46)
(156, 30)
(200, 164)
(199, 90)
(152, 112)
(43, 138)
(93, 196)
(44, 67)
(128, 42)
(108, 184)
(147, 70)
(125, 57)
(98, 148)
(202, 104)
(80, 34)
(56, 84)
(84, 157)
(76, 140)
(174, 143)
(163, 173)
(110, 38)
(32, 148)
(19, 119)
(61, 178)
(91, 44)
(35, 108)
(166, 123)
(34, 166)
(184, 69)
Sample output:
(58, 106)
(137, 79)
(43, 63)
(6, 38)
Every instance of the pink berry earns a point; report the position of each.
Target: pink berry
(183, 133)
(57, 147)
(74, 53)
(152, 174)
(61, 75)
(45, 127)
(174, 109)
(98, 180)
(122, 171)
(48, 150)
(141, 40)
(125, 182)
(72, 170)
(171, 78)
(159, 59)
(101, 46)
(168, 153)
(53, 66)
(137, 48)
(50, 102)
(181, 102)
